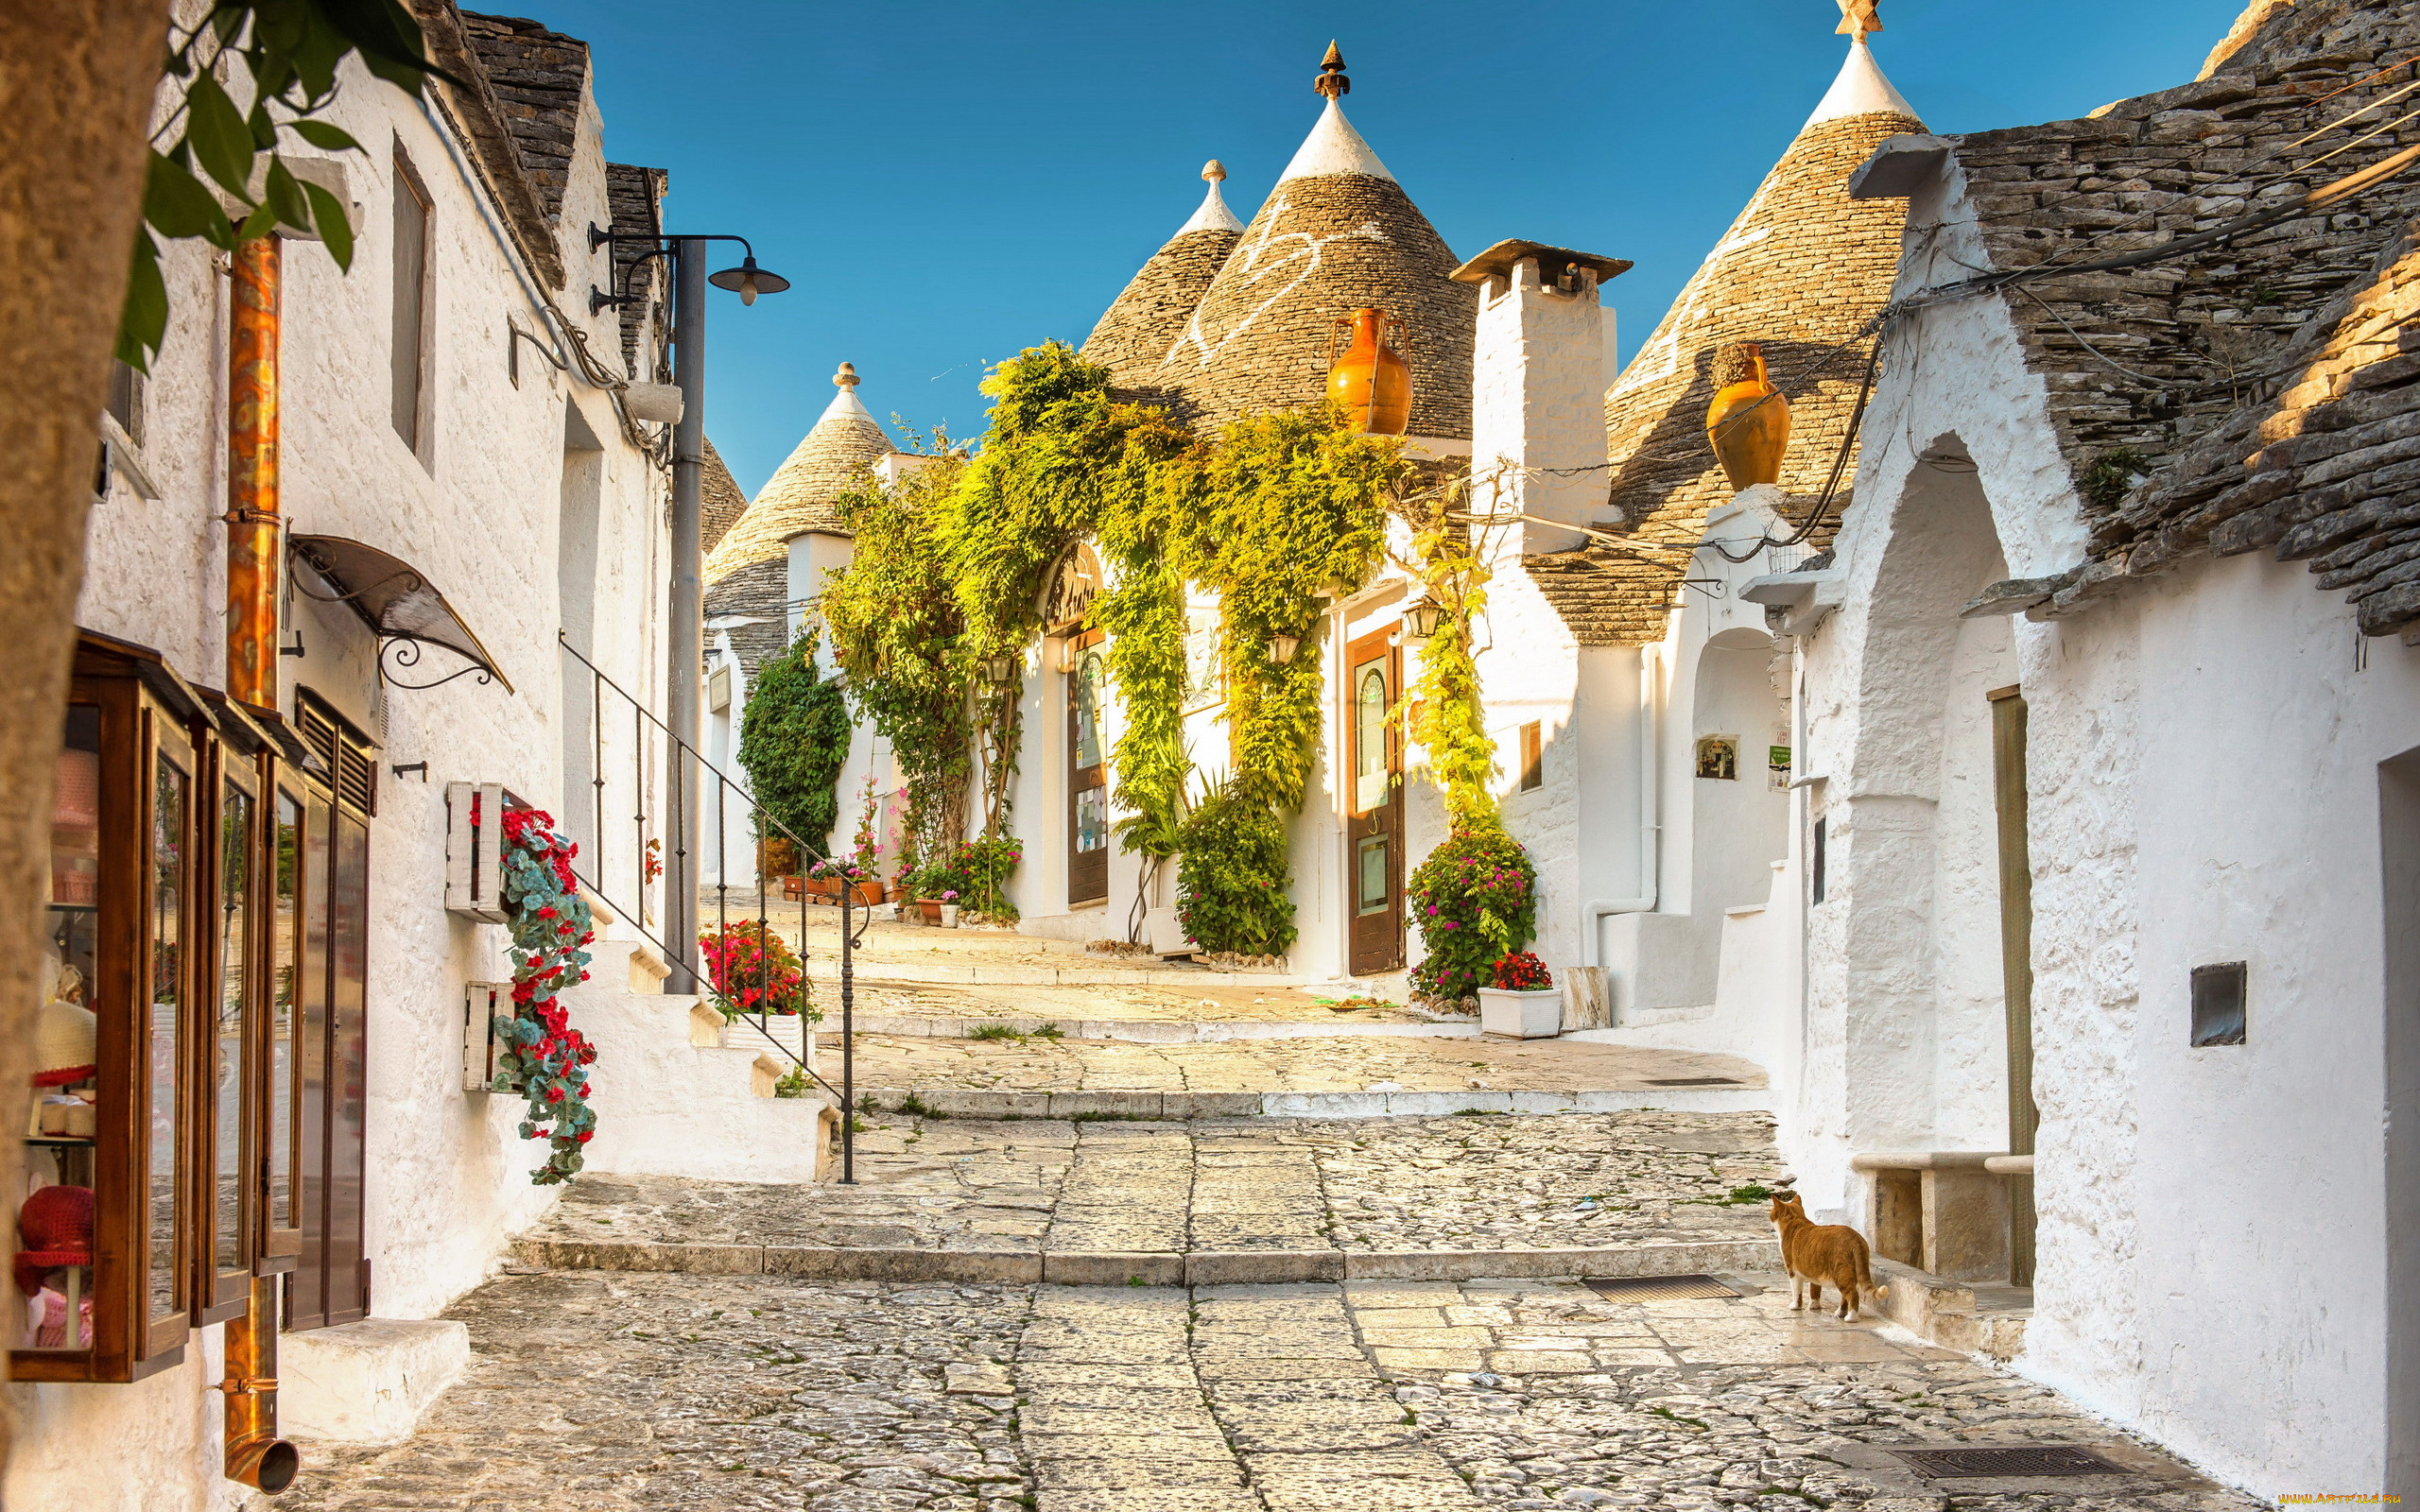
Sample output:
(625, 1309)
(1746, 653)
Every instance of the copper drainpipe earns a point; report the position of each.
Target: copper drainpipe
(251, 476)
(255, 1455)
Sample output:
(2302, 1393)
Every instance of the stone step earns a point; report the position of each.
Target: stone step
(1230, 1267)
(1970, 1317)
(1156, 1031)
(1164, 1107)
(826, 969)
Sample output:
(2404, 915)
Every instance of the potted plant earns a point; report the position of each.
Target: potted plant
(1521, 1001)
(949, 918)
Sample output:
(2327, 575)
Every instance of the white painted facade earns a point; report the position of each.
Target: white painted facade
(2211, 778)
(530, 510)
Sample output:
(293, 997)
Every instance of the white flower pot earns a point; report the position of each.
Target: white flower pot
(949, 915)
(1520, 1015)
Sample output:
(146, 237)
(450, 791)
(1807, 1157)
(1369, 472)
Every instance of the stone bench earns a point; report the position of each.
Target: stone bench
(1942, 1212)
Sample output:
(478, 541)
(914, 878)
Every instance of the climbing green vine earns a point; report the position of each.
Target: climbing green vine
(954, 567)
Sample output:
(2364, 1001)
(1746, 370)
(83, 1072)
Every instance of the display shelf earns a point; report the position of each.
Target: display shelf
(75, 908)
(69, 1142)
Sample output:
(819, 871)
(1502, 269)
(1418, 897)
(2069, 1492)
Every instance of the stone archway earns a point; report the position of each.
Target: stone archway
(1914, 837)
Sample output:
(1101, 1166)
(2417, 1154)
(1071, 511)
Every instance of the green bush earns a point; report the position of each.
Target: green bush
(792, 742)
(1475, 900)
(1233, 886)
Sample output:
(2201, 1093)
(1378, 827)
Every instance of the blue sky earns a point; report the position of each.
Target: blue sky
(947, 182)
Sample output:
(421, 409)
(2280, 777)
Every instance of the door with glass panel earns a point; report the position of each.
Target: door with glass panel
(1087, 770)
(1373, 804)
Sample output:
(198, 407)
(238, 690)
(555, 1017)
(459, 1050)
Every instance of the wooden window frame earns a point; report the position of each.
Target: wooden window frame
(419, 321)
(221, 1294)
(1533, 756)
(279, 1247)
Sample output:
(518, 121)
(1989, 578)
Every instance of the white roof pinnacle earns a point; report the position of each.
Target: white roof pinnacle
(1860, 90)
(1214, 214)
(1334, 146)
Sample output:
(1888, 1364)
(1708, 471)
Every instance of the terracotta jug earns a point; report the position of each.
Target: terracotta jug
(1372, 380)
(1749, 421)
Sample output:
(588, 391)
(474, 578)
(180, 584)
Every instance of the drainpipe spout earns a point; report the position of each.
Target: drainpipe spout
(255, 1455)
(1650, 828)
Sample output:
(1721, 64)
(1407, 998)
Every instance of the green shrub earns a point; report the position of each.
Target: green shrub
(793, 739)
(1475, 900)
(1233, 885)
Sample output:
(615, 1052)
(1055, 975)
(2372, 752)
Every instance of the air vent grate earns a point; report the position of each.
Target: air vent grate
(1693, 1081)
(1659, 1288)
(2006, 1462)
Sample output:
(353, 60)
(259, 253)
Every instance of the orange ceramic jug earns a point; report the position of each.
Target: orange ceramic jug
(1372, 380)
(1749, 421)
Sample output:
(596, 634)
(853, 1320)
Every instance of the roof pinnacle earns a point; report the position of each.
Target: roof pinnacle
(1858, 17)
(1214, 170)
(847, 377)
(1332, 81)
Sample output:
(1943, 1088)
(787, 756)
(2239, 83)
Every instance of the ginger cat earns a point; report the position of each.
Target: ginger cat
(1820, 1254)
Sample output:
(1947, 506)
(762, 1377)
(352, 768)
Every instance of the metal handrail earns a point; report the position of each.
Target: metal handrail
(725, 788)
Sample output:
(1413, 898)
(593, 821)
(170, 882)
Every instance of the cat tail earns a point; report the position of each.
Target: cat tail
(1865, 1273)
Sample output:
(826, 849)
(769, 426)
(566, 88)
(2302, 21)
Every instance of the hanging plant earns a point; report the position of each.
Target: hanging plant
(549, 923)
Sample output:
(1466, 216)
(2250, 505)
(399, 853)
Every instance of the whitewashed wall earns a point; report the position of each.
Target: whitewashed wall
(447, 1181)
(2203, 787)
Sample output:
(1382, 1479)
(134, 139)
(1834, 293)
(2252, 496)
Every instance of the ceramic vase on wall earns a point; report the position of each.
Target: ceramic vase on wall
(1372, 380)
(1749, 421)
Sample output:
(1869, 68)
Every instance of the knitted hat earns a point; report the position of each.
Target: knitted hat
(56, 1228)
(65, 1045)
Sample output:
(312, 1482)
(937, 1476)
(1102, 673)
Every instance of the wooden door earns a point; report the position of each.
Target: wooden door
(331, 1281)
(1087, 771)
(2017, 965)
(1374, 803)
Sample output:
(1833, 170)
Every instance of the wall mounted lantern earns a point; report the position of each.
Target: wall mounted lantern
(1421, 619)
(997, 670)
(1282, 649)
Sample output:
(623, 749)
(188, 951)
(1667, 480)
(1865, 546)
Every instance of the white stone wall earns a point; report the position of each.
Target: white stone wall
(481, 516)
(2202, 782)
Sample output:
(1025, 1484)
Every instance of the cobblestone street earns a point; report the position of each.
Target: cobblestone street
(633, 1391)
(1485, 1183)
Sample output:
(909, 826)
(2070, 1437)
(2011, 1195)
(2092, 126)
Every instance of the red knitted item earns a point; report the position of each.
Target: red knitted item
(56, 1226)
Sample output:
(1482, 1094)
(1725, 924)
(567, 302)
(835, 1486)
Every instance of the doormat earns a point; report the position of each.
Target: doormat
(2006, 1463)
(1659, 1288)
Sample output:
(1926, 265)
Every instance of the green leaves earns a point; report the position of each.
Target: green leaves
(289, 51)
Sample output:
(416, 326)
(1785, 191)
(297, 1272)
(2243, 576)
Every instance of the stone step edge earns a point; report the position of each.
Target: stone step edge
(826, 972)
(1151, 1031)
(1229, 1267)
(981, 1104)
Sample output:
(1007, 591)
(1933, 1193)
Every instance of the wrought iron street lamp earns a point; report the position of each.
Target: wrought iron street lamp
(684, 685)
(1421, 619)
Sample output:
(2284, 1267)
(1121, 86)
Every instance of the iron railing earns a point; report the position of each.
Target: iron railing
(676, 856)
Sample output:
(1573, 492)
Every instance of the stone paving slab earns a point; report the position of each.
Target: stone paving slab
(617, 1393)
(1331, 1077)
(1404, 1187)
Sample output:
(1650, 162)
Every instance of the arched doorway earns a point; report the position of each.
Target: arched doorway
(1084, 662)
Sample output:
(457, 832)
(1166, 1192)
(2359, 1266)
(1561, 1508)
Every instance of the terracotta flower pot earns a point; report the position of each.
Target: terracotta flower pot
(870, 893)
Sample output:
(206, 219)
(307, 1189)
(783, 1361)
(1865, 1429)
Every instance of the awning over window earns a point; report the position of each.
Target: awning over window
(399, 604)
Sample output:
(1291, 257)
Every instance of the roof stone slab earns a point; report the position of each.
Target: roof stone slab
(2237, 398)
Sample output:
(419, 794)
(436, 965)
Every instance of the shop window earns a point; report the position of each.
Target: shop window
(144, 1210)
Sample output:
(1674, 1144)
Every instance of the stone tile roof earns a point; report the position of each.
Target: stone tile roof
(1800, 272)
(2231, 397)
(723, 501)
(758, 593)
(480, 121)
(1150, 314)
(802, 494)
(636, 194)
(1323, 244)
(538, 76)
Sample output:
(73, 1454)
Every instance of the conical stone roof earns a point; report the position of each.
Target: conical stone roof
(1800, 273)
(1147, 319)
(1336, 234)
(802, 494)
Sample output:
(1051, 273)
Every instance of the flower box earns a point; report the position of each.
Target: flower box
(1534, 1014)
(929, 909)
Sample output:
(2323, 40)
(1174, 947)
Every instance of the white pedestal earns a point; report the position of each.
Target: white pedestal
(366, 1383)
